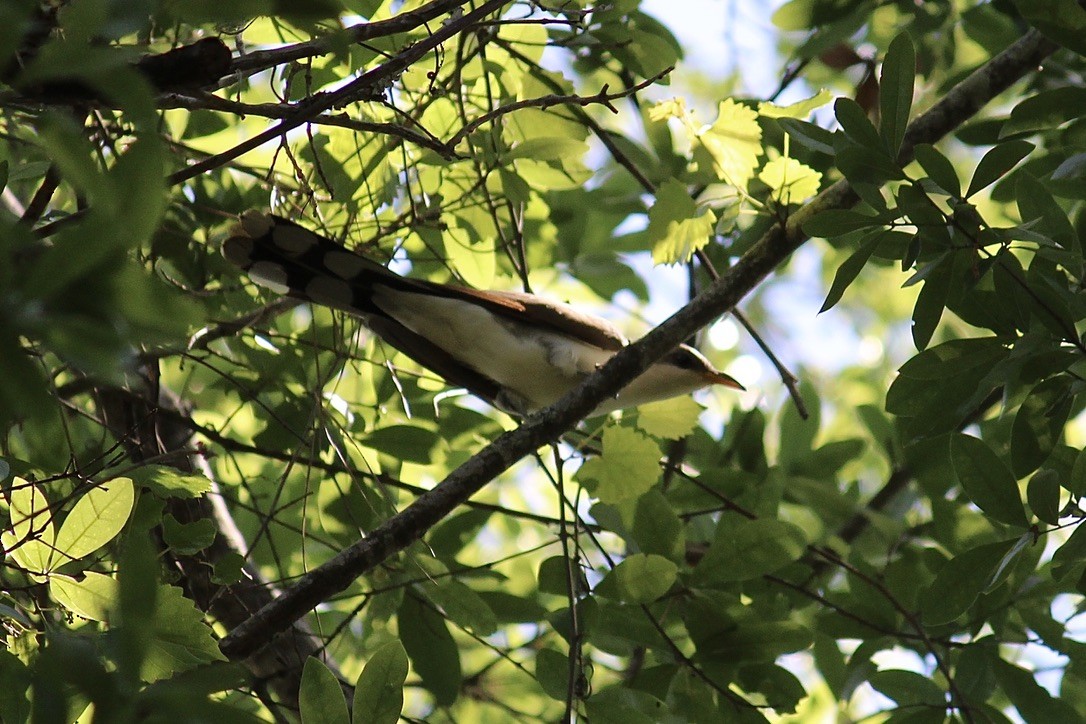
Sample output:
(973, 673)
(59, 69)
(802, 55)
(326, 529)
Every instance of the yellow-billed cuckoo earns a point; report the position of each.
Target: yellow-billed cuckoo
(517, 351)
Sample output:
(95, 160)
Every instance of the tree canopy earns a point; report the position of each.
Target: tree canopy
(218, 504)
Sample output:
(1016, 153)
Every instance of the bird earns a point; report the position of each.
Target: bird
(519, 352)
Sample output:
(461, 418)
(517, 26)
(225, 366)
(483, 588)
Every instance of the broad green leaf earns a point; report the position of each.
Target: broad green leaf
(789, 180)
(1077, 484)
(463, 606)
(838, 222)
(188, 538)
(931, 301)
(644, 578)
(856, 125)
(378, 694)
(908, 688)
(1045, 110)
(628, 466)
(548, 148)
(657, 528)
(939, 168)
(998, 161)
(733, 143)
(169, 482)
(896, 90)
(960, 581)
(552, 673)
(433, 652)
(474, 262)
(93, 597)
(678, 227)
(1062, 20)
(850, 269)
(809, 135)
(669, 419)
(987, 480)
(410, 443)
(746, 549)
(30, 538)
(96, 518)
(1036, 204)
(1031, 699)
(181, 640)
(1038, 424)
(797, 110)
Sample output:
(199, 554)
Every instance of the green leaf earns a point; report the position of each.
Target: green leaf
(96, 518)
(628, 466)
(1037, 205)
(998, 161)
(669, 419)
(930, 302)
(410, 443)
(463, 606)
(548, 148)
(809, 135)
(908, 688)
(1043, 495)
(732, 144)
(896, 90)
(1044, 111)
(1077, 483)
(837, 222)
(188, 538)
(939, 168)
(431, 648)
(1038, 424)
(987, 480)
(657, 528)
(1064, 21)
(168, 482)
(850, 269)
(644, 578)
(1031, 699)
(378, 694)
(960, 581)
(552, 673)
(856, 125)
(746, 549)
(93, 597)
(181, 640)
(29, 539)
(789, 180)
(678, 227)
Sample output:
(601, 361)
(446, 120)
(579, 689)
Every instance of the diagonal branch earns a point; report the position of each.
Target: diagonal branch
(960, 103)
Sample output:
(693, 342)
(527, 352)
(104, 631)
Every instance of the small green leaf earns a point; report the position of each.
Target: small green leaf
(810, 135)
(644, 578)
(960, 581)
(848, 271)
(930, 304)
(856, 125)
(320, 697)
(551, 148)
(789, 180)
(378, 694)
(669, 419)
(1038, 424)
(908, 688)
(896, 90)
(96, 518)
(463, 606)
(998, 161)
(939, 168)
(182, 640)
(188, 538)
(431, 648)
(29, 539)
(93, 597)
(552, 673)
(987, 480)
(169, 482)
(746, 549)
(628, 467)
(678, 227)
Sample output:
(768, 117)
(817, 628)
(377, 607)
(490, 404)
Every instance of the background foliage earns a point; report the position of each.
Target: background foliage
(897, 536)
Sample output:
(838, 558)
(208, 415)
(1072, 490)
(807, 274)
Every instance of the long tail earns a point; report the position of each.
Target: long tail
(292, 260)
